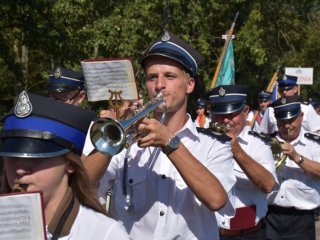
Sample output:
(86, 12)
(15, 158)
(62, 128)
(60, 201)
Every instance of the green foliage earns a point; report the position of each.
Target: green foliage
(39, 35)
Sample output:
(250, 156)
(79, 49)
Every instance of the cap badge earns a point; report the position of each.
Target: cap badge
(283, 101)
(165, 37)
(222, 92)
(57, 73)
(285, 78)
(23, 107)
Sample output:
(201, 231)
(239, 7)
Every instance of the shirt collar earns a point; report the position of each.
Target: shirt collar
(189, 129)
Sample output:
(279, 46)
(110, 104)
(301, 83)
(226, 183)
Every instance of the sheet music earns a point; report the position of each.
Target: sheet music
(104, 75)
(21, 217)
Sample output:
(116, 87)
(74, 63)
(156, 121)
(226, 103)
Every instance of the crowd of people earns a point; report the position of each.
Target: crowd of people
(212, 177)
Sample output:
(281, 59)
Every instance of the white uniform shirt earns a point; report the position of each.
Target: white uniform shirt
(297, 188)
(163, 207)
(256, 125)
(246, 193)
(206, 122)
(310, 122)
(93, 225)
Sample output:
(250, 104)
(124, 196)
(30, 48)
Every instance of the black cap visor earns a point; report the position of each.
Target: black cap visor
(30, 148)
(227, 108)
(62, 88)
(286, 115)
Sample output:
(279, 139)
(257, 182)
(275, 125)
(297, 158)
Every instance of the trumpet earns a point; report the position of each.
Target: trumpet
(219, 127)
(110, 136)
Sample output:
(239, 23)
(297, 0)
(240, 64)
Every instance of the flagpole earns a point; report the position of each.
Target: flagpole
(269, 88)
(228, 38)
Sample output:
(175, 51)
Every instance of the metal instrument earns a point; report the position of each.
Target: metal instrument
(20, 188)
(110, 136)
(276, 149)
(278, 156)
(218, 127)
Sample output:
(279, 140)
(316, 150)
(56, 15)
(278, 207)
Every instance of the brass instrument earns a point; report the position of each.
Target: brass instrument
(110, 136)
(20, 188)
(277, 152)
(276, 149)
(219, 128)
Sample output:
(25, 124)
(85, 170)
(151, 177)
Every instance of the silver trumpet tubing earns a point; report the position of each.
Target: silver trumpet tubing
(110, 136)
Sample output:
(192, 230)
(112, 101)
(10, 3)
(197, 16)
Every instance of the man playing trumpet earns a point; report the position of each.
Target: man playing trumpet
(168, 184)
(290, 214)
(254, 165)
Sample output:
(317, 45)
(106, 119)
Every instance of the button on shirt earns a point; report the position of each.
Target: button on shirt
(310, 122)
(246, 193)
(297, 188)
(158, 203)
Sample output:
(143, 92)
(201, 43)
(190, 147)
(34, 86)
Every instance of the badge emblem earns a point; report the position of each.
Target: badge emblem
(283, 101)
(57, 73)
(165, 37)
(222, 92)
(285, 78)
(23, 107)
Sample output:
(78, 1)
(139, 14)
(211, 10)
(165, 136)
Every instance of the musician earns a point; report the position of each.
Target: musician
(41, 143)
(288, 87)
(315, 102)
(290, 214)
(202, 120)
(67, 86)
(264, 100)
(254, 164)
(170, 182)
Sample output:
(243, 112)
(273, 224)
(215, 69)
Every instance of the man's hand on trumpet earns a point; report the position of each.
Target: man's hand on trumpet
(153, 133)
(289, 150)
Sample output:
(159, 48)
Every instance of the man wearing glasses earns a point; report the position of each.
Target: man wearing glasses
(288, 87)
(67, 86)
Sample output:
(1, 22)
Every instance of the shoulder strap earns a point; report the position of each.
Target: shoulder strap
(261, 136)
(313, 137)
(222, 137)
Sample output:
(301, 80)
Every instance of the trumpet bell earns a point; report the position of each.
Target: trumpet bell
(108, 136)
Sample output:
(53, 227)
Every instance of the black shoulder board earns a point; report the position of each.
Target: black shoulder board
(262, 136)
(222, 137)
(313, 137)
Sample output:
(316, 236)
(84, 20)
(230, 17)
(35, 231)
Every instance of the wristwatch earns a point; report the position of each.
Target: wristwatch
(173, 144)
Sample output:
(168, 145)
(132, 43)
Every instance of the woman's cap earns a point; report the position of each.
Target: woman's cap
(39, 127)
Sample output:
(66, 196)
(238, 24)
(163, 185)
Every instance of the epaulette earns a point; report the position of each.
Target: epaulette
(263, 137)
(313, 137)
(222, 137)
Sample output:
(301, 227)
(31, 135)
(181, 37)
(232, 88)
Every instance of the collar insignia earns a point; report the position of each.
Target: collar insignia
(165, 37)
(283, 101)
(57, 73)
(23, 107)
(222, 92)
